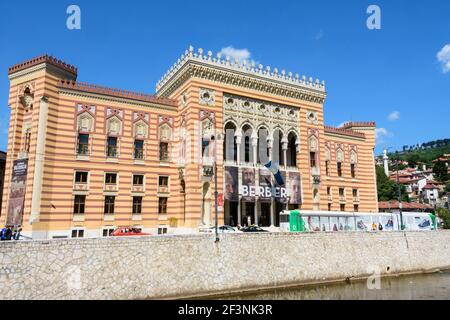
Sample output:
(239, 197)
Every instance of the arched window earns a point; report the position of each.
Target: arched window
(247, 132)
(229, 145)
(165, 134)
(291, 150)
(263, 147)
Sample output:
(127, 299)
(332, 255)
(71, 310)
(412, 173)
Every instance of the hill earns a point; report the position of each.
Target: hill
(423, 153)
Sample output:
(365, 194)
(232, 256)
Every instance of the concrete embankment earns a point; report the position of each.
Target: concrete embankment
(188, 266)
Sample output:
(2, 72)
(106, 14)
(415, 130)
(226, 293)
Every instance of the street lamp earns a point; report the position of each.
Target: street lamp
(399, 193)
(216, 195)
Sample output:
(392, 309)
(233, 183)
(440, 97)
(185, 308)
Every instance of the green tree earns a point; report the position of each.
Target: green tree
(440, 171)
(444, 214)
(388, 189)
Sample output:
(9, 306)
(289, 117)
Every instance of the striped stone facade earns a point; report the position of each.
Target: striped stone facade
(52, 117)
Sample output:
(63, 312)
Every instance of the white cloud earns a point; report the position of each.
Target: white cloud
(395, 115)
(443, 57)
(380, 134)
(240, 54)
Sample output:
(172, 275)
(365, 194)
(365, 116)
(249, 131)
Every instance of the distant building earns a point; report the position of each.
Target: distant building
(2, 175)
(392, 206)
(430, 194)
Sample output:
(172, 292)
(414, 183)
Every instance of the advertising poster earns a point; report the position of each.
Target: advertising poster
(17, 193)
(265, 181)
(248, 184)
(282, 198)
(231, 192)
(294, 188)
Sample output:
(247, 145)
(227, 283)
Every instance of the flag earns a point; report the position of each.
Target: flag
(273, 167)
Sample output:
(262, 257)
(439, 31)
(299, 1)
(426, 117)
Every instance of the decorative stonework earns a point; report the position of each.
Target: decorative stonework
(114, 121)
(245, 75)
(312, 118)
(353, 151)
(258, 114)
(85, 120)
(140, 125)
(339, 154)
(206, 97)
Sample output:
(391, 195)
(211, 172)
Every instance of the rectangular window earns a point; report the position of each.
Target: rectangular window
(342, 207)
(355, 208)
(138, 149)
(27, 140)
(163, 151)
(327, 168)
(353, 170)
(355, 193)
(329, 207)
(77, 233)
(83, 144)
(329, 191)
(312, 158)
(163, 181)
(81, 177)
(111, 147)
(110, 178)
(107, 232)
(79, 204)
(137, 205)
(109, 204)
(162, 208)
(205, 147)
(162, 230)
(341, 192)
(138, 180)
(339, 169)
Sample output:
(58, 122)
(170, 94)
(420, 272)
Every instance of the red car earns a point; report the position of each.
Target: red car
(129, 231)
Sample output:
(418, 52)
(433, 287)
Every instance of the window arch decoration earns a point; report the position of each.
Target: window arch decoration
(114, 121)
(85, 120)
(141, 125)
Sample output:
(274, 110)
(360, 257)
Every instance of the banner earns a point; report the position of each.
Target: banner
(231, 192)
(248, 184)
(295, 192)
(265, 181)
(17, 192)
(283, 196)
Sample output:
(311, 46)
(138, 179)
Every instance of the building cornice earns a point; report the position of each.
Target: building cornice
(119, 96)
(115, 94)
(234, 73)
(344, 133)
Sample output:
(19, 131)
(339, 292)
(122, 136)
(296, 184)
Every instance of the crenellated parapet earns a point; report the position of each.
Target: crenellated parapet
(43, 59)
(239, 73)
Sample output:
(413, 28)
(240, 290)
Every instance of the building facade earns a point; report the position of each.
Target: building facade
(83, 159)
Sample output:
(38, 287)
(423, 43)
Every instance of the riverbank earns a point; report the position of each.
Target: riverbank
(169, 267)
(417, 286)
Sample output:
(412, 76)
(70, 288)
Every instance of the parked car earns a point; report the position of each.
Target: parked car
(129, 231)
(220, 229)
(253, 229)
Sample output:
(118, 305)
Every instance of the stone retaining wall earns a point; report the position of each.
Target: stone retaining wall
(181, 266)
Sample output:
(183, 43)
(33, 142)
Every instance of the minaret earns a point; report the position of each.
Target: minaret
(385, 162)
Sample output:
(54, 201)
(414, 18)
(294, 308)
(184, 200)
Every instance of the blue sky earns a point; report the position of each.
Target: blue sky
(392, 76)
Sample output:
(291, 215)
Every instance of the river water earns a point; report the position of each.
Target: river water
(434, 286)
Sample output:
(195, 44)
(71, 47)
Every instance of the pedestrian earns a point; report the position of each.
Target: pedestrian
(8, 233)
(3, 234)
(17, 235)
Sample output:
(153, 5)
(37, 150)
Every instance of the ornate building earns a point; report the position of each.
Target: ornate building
(83, 159)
